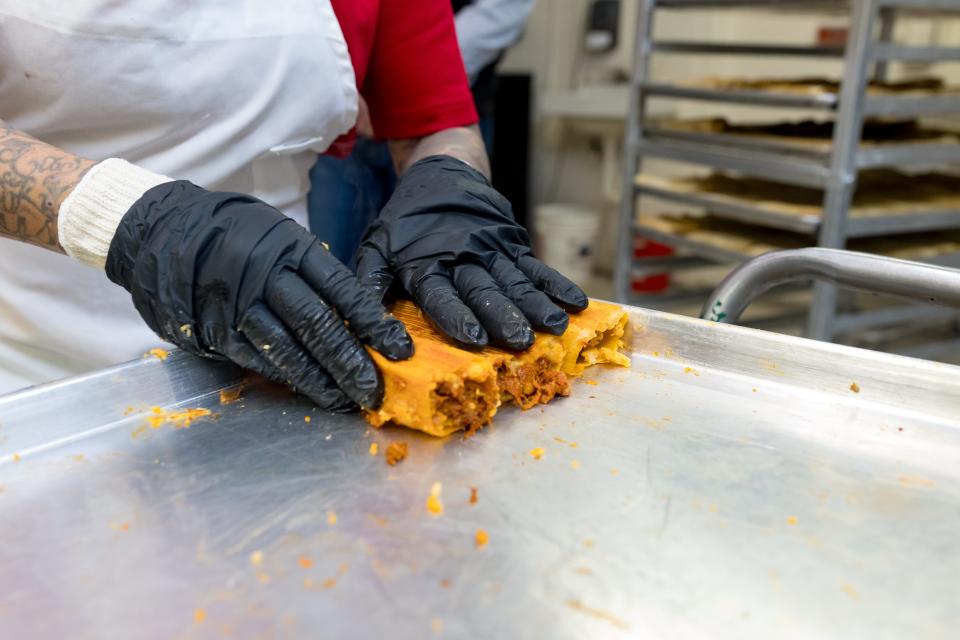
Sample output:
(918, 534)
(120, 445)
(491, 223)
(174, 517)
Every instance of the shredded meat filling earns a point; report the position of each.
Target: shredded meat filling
(465, 406)
(530, 385)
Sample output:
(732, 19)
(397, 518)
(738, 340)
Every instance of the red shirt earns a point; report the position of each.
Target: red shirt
(408, 66)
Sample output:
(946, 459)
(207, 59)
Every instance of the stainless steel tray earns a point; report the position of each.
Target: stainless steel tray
(731, 484)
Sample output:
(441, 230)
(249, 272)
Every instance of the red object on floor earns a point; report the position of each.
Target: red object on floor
(655, 282)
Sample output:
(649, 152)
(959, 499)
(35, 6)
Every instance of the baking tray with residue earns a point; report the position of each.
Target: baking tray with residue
(732, 484)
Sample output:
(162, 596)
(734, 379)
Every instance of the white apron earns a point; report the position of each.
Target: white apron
(235, 95)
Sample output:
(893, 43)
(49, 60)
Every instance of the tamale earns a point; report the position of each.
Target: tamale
(443, 388)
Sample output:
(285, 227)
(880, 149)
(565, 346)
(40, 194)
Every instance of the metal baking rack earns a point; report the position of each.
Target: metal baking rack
(866, 55)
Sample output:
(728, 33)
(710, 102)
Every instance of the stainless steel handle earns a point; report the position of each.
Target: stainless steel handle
(849, 269)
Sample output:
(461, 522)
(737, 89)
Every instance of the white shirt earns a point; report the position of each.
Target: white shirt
(234, 95)
(487, 27)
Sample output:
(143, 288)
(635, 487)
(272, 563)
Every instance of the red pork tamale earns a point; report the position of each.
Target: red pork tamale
(443, 388)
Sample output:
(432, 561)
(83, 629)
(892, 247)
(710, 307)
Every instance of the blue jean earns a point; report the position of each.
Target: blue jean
(346, 194)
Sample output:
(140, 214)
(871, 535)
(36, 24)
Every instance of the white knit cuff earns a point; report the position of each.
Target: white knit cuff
(90, 215)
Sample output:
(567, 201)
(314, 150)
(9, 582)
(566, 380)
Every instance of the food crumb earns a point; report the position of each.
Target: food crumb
(263, 578)
(691, 370)
(374, 448)
(474, 495)
(256, 558)
(754, 390)
(199, 615)
(792, 520)
(437, 625)
(584, 571)
(537, 453)
(592, 383)
(575, 464)
(179, 419)
(481, 538)
(329, 583)
(79, 457)
(305, 562)
(230, 395)
(306, 419)
(186, 330)
(159, 354)
(331, 518)
(396, 452)
(614, 471)
(16, 457)
(445, 584)
(588, 543)
(854, 387)
(128, 410)
(434, 505)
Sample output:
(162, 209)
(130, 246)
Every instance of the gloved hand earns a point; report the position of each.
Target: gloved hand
(451, 241)
(224, 275)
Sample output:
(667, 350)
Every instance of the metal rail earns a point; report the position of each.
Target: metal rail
(860, 271)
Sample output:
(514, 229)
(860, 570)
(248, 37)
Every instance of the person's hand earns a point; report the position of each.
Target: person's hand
(450, 240)
(224, 275)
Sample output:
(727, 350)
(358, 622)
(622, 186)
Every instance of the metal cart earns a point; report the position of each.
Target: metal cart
(835, 172)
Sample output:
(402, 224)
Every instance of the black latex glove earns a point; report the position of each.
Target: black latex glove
(225, 275)
(452, 243)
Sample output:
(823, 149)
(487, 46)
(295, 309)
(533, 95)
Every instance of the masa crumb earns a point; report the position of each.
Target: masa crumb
(256, 558)
(331, 518)
(854, 387)
(374, 448)
(474, 495)
(434, 504)
(536, 453)
(158, 353)
(179, 419)
(481, 538)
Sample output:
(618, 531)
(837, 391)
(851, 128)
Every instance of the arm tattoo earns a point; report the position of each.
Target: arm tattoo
(35, 178)
(463, 143)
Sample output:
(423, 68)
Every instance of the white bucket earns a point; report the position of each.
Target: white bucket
(566, 235)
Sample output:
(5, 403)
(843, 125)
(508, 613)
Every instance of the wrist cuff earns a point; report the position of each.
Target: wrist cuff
(90, 215)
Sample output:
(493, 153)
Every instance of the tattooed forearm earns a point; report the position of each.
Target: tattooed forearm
(34, 180)
(463, 143)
